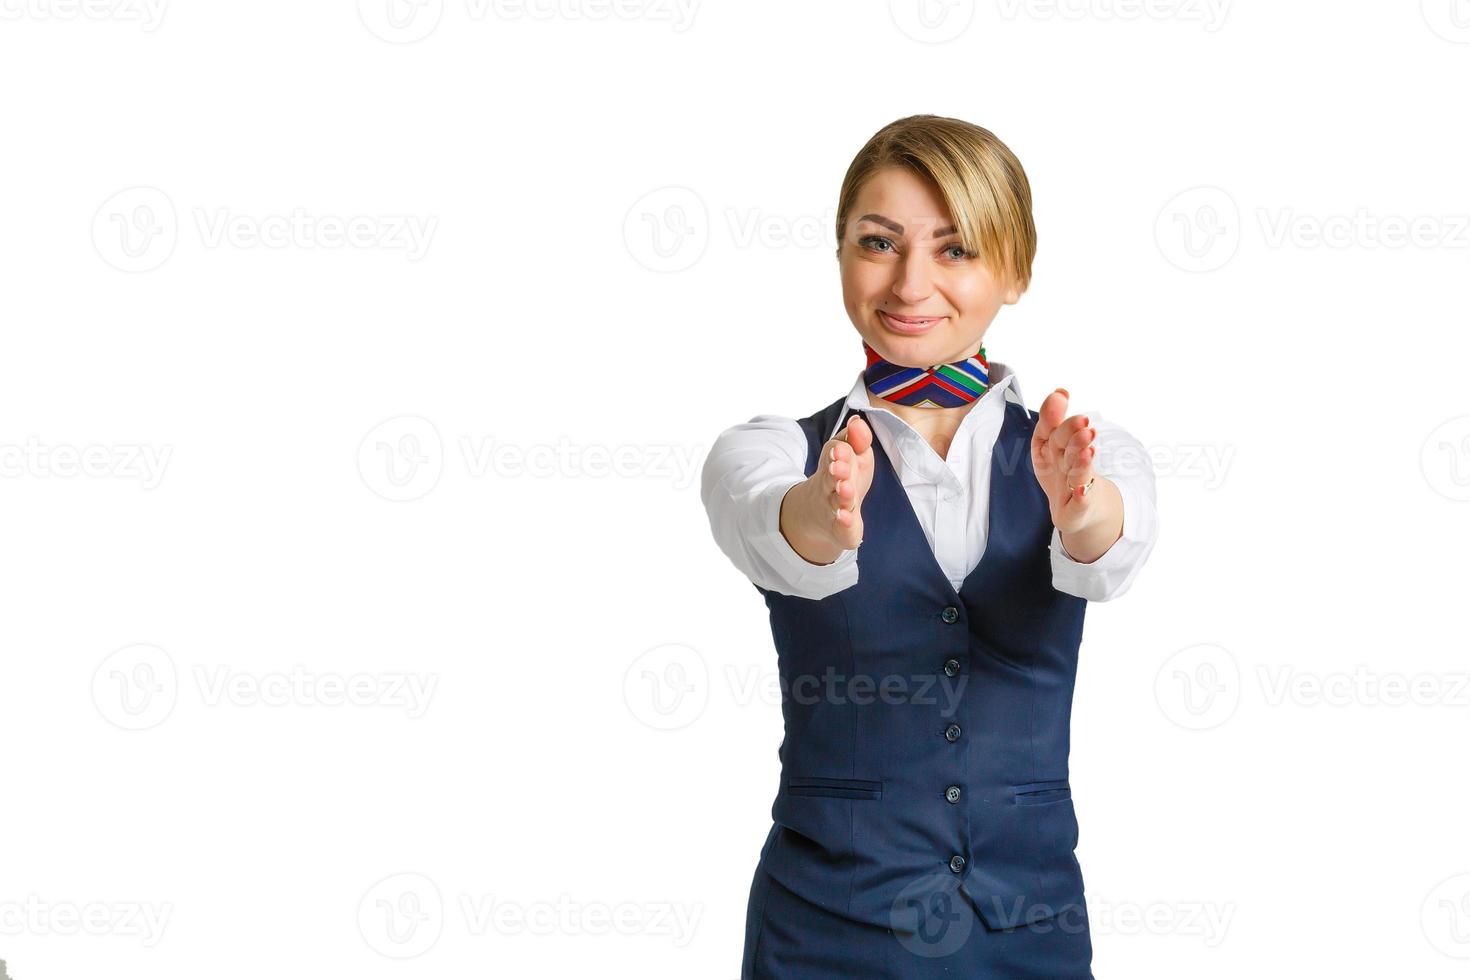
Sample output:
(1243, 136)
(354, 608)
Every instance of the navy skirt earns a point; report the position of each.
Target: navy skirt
(789, 938)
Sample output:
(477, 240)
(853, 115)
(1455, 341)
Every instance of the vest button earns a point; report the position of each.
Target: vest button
(952, 733)
(956, 864)
(950, 614)
(952, 794)
(951, 667)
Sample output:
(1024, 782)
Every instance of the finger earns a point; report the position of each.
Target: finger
(838, 450)
(1049, 416)
(1080, 473)
(859, 435)
(1064, 433)
(1081, 441)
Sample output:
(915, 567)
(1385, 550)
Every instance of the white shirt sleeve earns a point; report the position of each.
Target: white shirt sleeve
(1122, 459)
(746, 474)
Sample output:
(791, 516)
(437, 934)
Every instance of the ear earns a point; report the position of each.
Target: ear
(1014, 290)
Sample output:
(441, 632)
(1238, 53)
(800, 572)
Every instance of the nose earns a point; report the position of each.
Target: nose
(912, 281)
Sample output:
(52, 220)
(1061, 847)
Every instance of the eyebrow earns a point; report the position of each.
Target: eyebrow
(897, 228)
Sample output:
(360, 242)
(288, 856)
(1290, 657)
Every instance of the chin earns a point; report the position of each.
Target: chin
(918, 351)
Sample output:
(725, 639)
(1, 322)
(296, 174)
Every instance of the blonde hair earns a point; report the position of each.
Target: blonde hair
(980, 179)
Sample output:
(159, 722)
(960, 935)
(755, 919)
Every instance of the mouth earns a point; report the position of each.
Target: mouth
(908, 325)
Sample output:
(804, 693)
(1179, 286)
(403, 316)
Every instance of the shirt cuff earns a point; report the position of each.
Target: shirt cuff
(807, 579)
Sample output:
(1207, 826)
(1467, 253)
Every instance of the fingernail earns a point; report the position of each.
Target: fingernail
(1086, 421)
(1065, 392)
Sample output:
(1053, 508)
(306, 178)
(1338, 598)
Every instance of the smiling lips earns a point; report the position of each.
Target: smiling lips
(908, 325)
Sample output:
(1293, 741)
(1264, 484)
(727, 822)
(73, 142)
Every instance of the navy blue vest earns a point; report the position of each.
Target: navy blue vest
(927, 730)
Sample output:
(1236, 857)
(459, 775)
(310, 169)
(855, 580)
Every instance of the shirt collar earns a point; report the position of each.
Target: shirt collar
(1002, 380)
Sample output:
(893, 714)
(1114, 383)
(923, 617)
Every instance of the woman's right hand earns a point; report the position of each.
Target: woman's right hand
(822, 517)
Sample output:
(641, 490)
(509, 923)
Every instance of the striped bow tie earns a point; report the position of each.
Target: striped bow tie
(941, 386)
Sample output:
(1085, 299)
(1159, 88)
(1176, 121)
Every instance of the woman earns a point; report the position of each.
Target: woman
(926, 547)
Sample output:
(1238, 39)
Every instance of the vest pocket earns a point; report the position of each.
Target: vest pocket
(847, 789)
(1046, 791)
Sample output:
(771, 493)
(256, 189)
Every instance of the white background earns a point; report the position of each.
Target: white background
(386, 460)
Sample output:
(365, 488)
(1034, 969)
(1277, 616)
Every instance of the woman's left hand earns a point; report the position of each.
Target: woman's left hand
(1062, 452)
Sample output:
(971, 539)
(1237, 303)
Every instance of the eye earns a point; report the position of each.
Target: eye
(866, 239)
(963, 254)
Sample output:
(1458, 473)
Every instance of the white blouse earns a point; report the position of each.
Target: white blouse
(752, 465)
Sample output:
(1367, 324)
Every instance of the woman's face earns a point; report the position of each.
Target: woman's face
(901, 255)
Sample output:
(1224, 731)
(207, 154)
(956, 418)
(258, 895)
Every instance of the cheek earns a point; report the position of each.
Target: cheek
(976, 297)
(861, 282)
